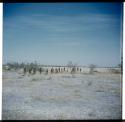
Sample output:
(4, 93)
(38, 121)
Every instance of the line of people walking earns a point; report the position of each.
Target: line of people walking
(52, 70)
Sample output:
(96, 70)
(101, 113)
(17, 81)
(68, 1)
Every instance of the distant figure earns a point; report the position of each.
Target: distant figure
(30, 70)
(64, 68)
(73, 70)
(59, 69)
(46, 71)
(24, 70)
(40, 70)
(56, 71)
(52, 70)
(77, 69)
(80, 69)
(34, 70)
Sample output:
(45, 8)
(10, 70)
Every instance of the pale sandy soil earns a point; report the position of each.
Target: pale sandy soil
(61, 96)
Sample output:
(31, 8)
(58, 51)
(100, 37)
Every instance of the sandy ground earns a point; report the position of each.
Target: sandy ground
(61, 96)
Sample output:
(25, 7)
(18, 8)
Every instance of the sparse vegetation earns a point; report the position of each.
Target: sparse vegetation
(41, 92)
(115, 71)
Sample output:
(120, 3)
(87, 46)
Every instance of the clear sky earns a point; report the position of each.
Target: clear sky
(55, 33)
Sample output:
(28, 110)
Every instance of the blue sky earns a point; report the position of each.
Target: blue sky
(55, 33)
